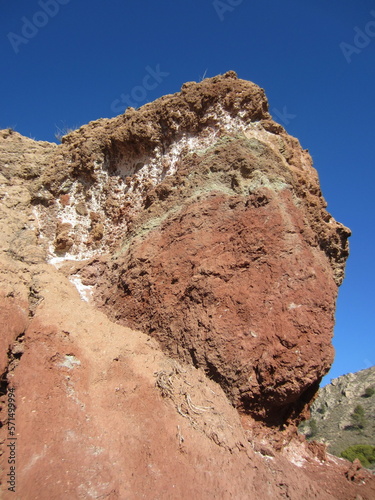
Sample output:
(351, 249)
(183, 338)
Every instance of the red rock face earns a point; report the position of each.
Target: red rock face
(236, 275)
(198, 222)
(232, 287)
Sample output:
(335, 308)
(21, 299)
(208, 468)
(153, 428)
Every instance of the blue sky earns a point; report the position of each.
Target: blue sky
(66, 62)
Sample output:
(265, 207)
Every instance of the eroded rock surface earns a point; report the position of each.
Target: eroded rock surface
(231, 260)
(168, 284)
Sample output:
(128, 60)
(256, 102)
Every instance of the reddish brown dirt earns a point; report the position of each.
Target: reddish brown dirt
(92, 422)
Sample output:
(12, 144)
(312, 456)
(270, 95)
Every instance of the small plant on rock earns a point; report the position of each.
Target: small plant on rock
(358, 417)
(313, 429)
(61, 132)
(369, 391)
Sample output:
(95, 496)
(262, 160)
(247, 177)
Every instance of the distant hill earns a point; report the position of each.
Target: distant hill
(332, 421)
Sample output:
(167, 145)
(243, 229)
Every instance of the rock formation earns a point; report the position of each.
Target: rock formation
(168, 279)
(332, 409)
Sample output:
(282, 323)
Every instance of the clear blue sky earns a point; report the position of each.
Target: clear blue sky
(71, 63)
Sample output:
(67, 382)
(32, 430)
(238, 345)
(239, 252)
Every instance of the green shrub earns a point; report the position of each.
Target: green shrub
(364, 452)
(370, 391)
(313, 429)
(358, 417)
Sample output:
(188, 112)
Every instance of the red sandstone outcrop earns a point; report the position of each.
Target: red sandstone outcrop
(168, 282)
(231, 260)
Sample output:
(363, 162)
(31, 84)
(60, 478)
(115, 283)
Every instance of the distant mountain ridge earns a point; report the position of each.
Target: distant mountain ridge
(331, 413)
